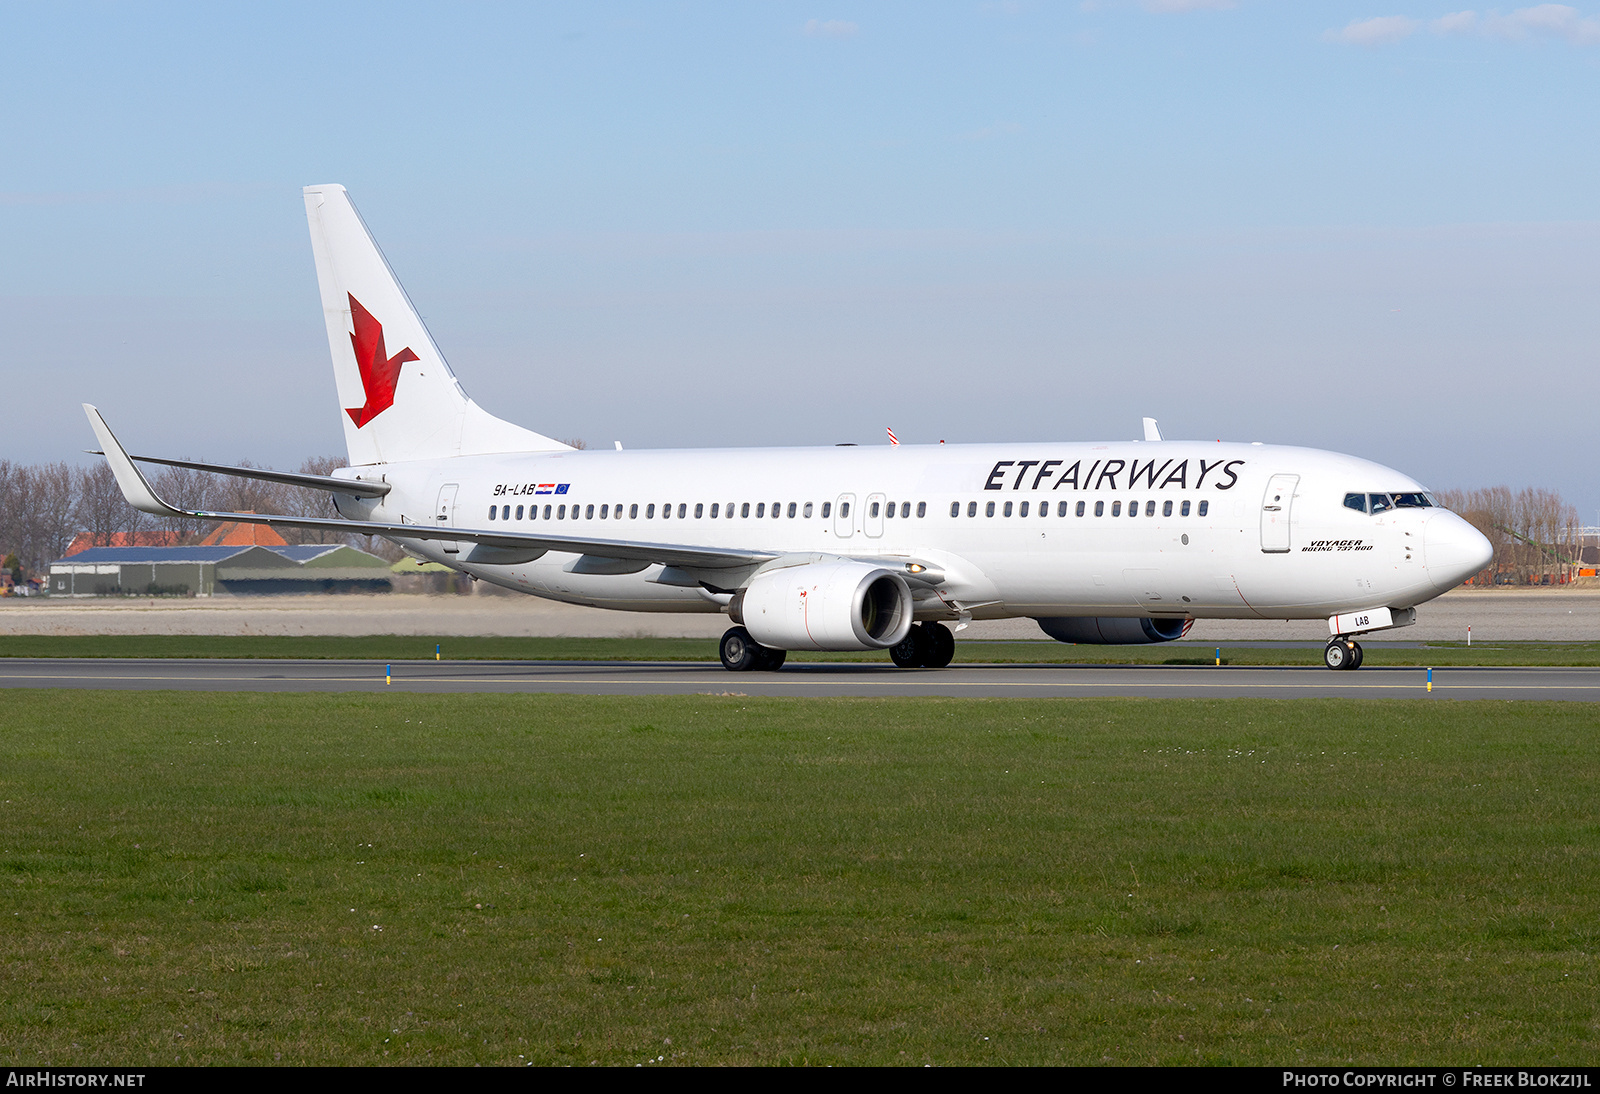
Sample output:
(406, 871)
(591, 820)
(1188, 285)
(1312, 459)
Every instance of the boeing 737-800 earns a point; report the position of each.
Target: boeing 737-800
(847, 548)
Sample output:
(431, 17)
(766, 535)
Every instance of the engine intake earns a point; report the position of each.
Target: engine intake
(1091, 630)
(829, 605)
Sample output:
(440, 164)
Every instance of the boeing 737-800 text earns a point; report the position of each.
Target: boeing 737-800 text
(847, 548)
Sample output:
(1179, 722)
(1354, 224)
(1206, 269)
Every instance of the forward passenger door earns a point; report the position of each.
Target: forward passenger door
(1275, 511)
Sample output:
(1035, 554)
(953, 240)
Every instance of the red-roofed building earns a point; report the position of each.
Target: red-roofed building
(84, 541)
(236, 534)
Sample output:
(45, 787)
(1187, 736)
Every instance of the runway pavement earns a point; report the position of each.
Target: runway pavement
(806, 680)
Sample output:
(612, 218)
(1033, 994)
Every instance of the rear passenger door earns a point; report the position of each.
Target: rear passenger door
(445, 514)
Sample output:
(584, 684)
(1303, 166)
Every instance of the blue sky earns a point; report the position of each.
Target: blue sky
(1369, 228)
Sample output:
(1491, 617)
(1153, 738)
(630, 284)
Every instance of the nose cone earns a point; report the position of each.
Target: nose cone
(1455, 550)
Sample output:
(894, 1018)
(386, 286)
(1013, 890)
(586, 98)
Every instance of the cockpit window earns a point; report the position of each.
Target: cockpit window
(1358, 502)
(1382, 502)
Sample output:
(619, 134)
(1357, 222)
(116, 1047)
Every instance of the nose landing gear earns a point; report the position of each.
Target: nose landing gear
(1343, 652)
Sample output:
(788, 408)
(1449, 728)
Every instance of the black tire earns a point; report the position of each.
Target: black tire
(739, 652)
(1337, 655)
(769, 659)
(1357, 656)
(908, 653)
(938, 644)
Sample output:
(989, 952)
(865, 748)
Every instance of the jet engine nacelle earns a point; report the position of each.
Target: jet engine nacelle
(828, 605)
(1109, 631)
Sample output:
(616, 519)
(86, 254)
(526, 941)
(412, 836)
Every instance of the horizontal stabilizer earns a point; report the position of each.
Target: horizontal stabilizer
(356, 488)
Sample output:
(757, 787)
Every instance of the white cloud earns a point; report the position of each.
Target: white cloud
(1379, 31)
(1541, 20)
(1188, 5)
(830, 28)
(1555, 20)
(1459, 22)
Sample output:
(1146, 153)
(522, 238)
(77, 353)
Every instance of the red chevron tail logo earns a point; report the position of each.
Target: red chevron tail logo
(379, 372)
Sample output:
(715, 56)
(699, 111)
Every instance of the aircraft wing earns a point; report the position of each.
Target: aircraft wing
(529, 545)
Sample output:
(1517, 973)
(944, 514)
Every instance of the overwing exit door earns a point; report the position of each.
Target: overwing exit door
(844, 521)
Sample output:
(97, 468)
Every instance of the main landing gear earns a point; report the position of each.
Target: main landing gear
(927, 645)
(1343, 652)
(741, 653)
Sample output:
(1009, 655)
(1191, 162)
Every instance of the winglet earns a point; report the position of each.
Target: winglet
(1151, 433)
(134, 488)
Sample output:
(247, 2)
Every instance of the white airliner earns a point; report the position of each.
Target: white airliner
(848, 548)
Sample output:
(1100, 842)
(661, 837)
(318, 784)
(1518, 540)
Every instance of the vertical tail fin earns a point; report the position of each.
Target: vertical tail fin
(400, 400)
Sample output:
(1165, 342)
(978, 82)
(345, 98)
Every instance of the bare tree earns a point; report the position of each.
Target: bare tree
(101, 509)
(573, 442)
(44, 500)
(185, 488)
(1534, 531)
(240, 495)
(300, 501)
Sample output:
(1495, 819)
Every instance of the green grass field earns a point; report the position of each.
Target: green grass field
(212, 878)
(414, 648)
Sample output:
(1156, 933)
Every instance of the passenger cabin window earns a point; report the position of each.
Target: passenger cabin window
(761, 508)
(546, 512)
(1205, 505)
(922, 509)
(519, 512)
(972, 508)
(603, 509)
(493, 509)
(791, 510)
(806, 512)
(955, 509)
(988, 510)
(588, 512)
(1116, 509)
(699, 510)
(561, 512)
(1022, 510)
(1008, 509)
(1099, 508)
(1166, 508)
(683, 509)
(744, 510)
(844, 509)
(633, 512)
(713, 510)
(1150, 508)
(872, 510)
(649, 512)
(827, 508)
(1183, 509)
